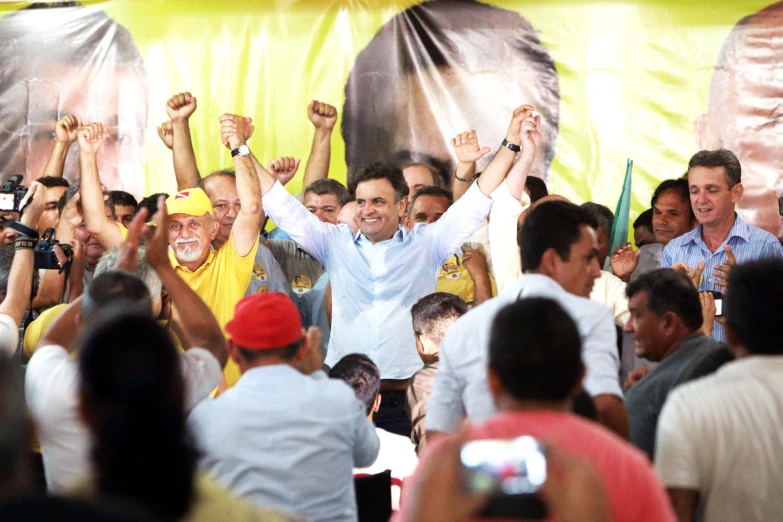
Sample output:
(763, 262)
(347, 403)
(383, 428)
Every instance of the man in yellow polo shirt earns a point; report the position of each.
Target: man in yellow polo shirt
(220, 277)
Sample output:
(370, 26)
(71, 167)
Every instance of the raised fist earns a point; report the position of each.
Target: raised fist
(65, 129)
(530, 136)
(181, 106)
(91, 138)
(283, 168)
(520, 114)
(235, 130)
(166, 134)
(322, 115)
(466, 146)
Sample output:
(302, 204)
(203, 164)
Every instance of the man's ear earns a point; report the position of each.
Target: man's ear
(233, 352)
(736, 192)
(706, 138)
(402, 206)
(549, 261)
(495, 384)
(377, 405)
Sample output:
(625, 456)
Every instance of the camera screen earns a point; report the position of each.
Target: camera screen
(6, 202)
(511, 467)
(718, 307)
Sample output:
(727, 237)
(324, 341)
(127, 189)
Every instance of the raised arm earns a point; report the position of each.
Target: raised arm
(323, 117)
(466, 146)
(179, 109)
(248, 220)
(64, 136)
(195, 317)
(107, 232)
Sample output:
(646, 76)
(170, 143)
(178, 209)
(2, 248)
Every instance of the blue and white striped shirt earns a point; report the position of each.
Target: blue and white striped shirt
(748, 243)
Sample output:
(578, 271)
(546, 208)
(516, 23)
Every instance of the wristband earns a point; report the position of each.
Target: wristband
(467, 180)
(23, 230)
(25, 243)
(510, 146)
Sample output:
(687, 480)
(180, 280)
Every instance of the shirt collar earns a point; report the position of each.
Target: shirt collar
(739, 229)
(400, 235)
(528, 281)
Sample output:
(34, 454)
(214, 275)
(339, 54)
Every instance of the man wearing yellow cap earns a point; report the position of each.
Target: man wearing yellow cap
(220, 277)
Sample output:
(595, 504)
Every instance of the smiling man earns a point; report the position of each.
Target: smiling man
(722, 237)
(378, 273)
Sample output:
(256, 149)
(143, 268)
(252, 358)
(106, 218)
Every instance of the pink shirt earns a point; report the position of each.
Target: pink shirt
(634, 491)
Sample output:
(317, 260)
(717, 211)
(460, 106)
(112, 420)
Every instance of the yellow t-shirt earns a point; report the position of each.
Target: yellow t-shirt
(221, 282)
(453, 278)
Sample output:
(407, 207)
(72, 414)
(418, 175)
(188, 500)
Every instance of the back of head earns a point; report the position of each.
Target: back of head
(362, 375)
(151, 203)
(434, 313)
(14, 430)
(52, 181)
(380, 170)
(553, 224)
(535, 350)
(751, 306)
(719, 158)
(144, 271)
(644, 220)
(536, 188)
(431, 190)
(669, 291)
(132, 393)
(601, 214)
(325, 186)
(115, 288)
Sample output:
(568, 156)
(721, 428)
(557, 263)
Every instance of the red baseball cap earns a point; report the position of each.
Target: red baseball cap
(265, 321)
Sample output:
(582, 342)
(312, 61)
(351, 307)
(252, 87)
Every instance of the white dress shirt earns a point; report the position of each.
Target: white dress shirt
(375, 285)
(461, 388)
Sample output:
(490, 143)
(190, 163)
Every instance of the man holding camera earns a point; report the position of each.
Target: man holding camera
(18, 277)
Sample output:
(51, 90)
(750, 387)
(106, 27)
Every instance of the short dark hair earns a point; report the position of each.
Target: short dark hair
(362, 375)
(407, 158)
(151, 203)
(719, 158)
(601, 214)
(429, 191)
(552, 224)
(679, 186)
(287, 352)
(437, 177)
(434, 313)
(325, 186)
(752, 305)
(120, 197)
(226, 173)
(7, 254)
(116, 289)
(51, 182)
(669, 291)
(535, 350)
(380, 170)
(536, 188)
(71, 191)
(644, 220)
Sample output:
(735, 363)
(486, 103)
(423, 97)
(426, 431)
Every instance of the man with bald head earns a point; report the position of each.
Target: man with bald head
(744, 112)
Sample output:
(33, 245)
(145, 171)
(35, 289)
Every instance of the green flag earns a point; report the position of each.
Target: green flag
(622, 213)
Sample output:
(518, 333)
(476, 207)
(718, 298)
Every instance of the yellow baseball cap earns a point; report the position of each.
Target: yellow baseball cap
(193, 202)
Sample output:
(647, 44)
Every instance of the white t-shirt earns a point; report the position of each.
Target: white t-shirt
(9, 335)
(51, 389)
(397, 454)
(721, 436)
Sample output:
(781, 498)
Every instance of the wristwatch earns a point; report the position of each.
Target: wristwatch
(510, 146)
(242, 150)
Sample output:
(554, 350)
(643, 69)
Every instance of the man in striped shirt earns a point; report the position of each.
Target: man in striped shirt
(722, 238)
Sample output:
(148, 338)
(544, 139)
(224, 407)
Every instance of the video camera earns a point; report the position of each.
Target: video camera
(44, 255)
(11, 194)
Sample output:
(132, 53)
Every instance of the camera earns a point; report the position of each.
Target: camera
(11, 194)
(44, 255)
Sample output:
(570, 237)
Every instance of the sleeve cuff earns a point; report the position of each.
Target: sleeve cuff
(275, 195)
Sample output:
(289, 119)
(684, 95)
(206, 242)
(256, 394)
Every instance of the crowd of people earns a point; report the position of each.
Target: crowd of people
(179, 362)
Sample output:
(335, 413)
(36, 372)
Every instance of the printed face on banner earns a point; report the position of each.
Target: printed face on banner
(85, 65)
(745, 113)
(439, 69)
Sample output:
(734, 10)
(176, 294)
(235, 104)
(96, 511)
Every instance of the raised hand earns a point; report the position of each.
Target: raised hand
(475, 261)
(708, 311)
(636, 375)
(181, 106)
(128, 255)
(521, 113)
(33, 204)
(530, 133)
(466, 146)
(91, 138)
(65, 129)
(166, 134)
(283, 168)
(722, 271)
(322, 115)
(624, 261)
(156, 243)
(693, 274)
(235, 130)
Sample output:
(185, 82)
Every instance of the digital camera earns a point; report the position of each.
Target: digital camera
(11, 194)
(44, 255)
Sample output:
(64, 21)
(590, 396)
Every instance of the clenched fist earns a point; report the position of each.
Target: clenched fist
(283, 168)
(91, 138)
(181, 106)
(235, 130)
(521, 113)
(322, 115)
(166, 134)
(65, 129)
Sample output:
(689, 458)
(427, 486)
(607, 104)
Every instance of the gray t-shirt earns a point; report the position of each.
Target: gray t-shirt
(649, 259)
(267, 274)
(696, 357)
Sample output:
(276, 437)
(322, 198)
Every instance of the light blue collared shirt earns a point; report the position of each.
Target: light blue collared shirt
(375, 285)
(282, 439)
(461, 388)
(748, 243)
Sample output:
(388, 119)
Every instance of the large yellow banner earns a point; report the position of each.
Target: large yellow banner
(651, 80)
